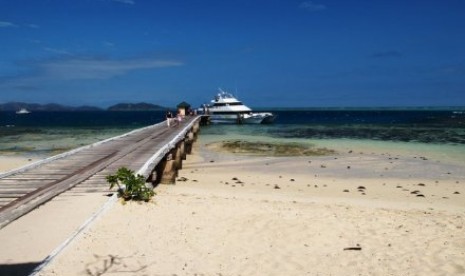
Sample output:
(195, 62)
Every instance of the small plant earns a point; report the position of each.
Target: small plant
(130, 186)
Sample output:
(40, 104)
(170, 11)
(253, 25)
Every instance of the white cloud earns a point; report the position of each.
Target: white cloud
(67, 69)
(4, 24)
(130, 2)
(57, 51)
(33, 26)
(73, 69)
(108, 44)
(311, 6)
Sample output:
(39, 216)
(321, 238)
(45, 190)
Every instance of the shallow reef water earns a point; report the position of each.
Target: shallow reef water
(385, 133)
(47, 133)
(270, 148)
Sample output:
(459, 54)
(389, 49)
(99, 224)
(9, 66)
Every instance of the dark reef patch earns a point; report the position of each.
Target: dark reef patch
(400, 133)
(270, 149)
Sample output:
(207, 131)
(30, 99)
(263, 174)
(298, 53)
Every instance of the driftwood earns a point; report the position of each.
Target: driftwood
(357, 248)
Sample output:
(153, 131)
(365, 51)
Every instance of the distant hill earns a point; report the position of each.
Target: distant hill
(136, 107)
(15, 106)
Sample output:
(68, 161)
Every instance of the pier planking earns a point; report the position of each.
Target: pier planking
(85, 169)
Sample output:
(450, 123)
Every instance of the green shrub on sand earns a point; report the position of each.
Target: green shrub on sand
(130, 186)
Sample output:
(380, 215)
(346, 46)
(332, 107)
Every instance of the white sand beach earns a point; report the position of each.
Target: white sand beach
(10, 162)
(355, 213)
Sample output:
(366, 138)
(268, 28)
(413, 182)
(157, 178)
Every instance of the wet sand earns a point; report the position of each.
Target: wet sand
(360, 211)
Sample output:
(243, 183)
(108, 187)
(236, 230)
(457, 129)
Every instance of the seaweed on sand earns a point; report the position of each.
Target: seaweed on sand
(270, 149)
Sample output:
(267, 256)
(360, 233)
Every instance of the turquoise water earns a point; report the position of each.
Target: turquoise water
(440, 146)
(45, 134)
(45, 142)
(417, 131)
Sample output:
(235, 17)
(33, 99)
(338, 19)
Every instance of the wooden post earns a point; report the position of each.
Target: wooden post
(182, 148)
(195, 129)
(177, 158)
(189, 142)
(205, 120)
(167, 170)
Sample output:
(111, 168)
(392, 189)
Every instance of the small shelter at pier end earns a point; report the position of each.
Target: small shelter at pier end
(183, 108)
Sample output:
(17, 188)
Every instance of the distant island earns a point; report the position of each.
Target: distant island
(15, 106)
(33, 107)
(136, 107)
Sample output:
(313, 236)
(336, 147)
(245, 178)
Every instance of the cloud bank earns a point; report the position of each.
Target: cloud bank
(74, 69)
(5, 24)
(70, 68)
(311, 6)
(129, 2)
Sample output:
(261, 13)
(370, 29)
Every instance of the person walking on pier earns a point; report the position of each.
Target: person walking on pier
(169, 117)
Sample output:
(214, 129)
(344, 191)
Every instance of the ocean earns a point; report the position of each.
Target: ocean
(44, 134)
(49, 133)
(437, 127)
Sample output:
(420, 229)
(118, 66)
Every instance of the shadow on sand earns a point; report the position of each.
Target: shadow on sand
(17, 269)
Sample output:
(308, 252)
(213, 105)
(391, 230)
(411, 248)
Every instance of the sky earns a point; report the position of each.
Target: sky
(269, 53)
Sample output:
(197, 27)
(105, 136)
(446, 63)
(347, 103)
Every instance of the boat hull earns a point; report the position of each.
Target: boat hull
(269, 119)
(254, 118)
(224, 119)
(23, 111)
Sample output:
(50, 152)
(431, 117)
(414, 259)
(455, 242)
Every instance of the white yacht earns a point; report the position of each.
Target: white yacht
(226, 109)
(23, 111)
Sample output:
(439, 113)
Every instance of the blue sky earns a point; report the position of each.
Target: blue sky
(281, 53)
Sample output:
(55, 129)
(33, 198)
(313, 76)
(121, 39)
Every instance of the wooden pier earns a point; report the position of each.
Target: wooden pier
(156, 152)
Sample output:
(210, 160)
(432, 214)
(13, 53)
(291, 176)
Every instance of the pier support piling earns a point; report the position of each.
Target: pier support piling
(178, 158)
(189, 142)
(182, 148)
(167, 170)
